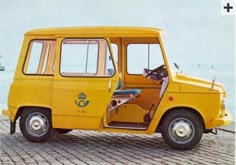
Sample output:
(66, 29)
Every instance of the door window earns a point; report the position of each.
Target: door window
(85, 57)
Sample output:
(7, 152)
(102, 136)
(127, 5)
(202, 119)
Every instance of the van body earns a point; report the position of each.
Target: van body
(114, 79)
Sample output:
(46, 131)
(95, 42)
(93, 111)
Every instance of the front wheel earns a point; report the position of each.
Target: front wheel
(182, 129)
(35, 125)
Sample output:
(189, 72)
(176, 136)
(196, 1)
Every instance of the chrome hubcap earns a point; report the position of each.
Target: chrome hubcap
(181, 130)
(37, 124)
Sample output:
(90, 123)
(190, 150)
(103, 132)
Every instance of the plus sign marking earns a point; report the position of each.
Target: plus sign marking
(228, 7)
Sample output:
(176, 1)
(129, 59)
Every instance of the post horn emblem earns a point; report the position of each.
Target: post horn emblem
(82, 102)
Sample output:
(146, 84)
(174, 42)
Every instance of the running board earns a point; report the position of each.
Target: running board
(133, 126)
(120, 127)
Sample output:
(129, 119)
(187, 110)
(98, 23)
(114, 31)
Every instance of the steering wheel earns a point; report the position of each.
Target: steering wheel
(160, 71)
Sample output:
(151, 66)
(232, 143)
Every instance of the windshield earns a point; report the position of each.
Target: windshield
(169, 49)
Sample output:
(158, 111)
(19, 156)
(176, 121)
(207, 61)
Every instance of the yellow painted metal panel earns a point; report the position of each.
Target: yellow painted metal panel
(75, 122)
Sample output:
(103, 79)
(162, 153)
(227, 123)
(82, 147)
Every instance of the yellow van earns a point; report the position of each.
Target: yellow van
(114, 79)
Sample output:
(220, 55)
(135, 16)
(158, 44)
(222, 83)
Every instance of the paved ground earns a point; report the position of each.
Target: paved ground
(90, 147)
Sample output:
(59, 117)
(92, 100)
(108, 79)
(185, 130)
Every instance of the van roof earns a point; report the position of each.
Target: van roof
(96, 31)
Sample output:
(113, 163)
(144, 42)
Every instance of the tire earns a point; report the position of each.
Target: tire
(36, 125)
(62, 131)
(182, 129)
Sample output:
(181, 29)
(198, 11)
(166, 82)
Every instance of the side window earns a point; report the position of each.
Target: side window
(79, 57)
(40, 57)
(140, 56)
(85, 57)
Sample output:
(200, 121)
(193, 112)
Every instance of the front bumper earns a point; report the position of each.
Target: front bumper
(223, 121)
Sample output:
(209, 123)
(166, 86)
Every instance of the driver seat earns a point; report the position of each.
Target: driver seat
(122, 96)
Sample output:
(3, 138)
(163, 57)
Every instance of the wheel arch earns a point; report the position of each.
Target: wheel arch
(177, 109)
(28, 107)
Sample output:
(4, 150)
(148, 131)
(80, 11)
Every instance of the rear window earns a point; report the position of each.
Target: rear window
(40, 57)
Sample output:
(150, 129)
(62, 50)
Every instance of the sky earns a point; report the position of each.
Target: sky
(199, 34)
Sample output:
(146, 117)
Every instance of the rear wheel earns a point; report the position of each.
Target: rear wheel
(36, 125)
(182, 129)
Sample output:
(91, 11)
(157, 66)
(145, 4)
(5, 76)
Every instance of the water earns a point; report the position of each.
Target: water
(6, 78)
(224, 74)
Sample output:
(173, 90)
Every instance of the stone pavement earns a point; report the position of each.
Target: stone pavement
(90, 147)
